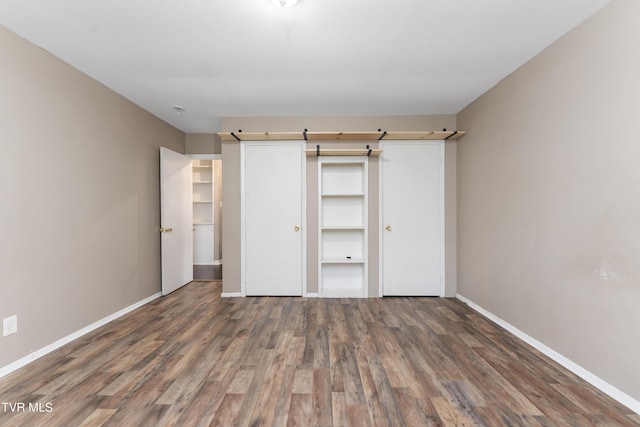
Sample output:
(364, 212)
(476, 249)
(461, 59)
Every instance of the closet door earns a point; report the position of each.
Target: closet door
(411, 218)
(273, 212)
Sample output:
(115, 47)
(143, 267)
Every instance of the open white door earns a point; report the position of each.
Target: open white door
(176, 216)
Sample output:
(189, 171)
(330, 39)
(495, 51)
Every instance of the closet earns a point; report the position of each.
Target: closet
(342, 214)
(203, 212)
(377, 223)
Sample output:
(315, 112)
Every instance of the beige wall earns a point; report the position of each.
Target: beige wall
(231, 247)
(231, 188)
(548, 197)
(203, 143)
(79, 195)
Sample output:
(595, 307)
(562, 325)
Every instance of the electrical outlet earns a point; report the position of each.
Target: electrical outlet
(9, 325)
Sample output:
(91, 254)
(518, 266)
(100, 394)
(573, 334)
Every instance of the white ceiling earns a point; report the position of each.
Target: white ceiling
(221, 58)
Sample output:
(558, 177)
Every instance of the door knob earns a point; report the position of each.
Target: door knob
(297, 228)
(166, 229)
(387, 227)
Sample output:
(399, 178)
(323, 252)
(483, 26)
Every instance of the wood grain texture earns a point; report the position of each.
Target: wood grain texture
(341, 136)
(195, 359)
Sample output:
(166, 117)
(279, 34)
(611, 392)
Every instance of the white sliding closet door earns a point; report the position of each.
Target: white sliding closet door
(412, 224)
(273, 211)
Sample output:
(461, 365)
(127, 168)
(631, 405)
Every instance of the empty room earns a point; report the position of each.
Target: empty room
(280, 212)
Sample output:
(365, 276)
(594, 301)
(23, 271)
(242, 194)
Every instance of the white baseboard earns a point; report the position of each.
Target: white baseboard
(231, 294)
(589, 377)
(217, 262)
(241, 295)
(5, 370)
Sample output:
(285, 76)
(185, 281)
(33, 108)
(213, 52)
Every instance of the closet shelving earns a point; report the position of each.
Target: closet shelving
(202, 192)
(202, 179)
(343, 226)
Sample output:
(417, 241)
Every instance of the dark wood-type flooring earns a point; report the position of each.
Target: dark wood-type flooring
(195, 359)
(207, 272)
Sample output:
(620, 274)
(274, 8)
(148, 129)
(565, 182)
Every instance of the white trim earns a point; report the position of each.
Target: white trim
(232, 295)
(243, 250)
(5, 370)
(303, 220)
(205, 156)
(443, 283)
(319, 221)
(380, 221)
(589, 377)
(343, 293)
(214, 262)
(312, 295)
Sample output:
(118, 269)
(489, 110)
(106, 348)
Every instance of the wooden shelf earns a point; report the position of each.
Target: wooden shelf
(344, 293)
(375, 152)
(261, 136)
(424, 136)
(341, 136)
(342, 227)
(345, 260)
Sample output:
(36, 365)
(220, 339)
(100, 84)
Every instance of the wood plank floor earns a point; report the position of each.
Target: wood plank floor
(207, 272)
(195, 359)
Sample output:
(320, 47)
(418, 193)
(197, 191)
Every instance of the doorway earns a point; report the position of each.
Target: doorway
(207, 216)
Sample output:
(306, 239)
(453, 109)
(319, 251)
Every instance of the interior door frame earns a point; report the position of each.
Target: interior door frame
(216, 231)
(243, 217)
(441, 144)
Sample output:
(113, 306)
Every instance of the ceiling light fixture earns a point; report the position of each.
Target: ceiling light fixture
(179, 109)
(284, 3)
